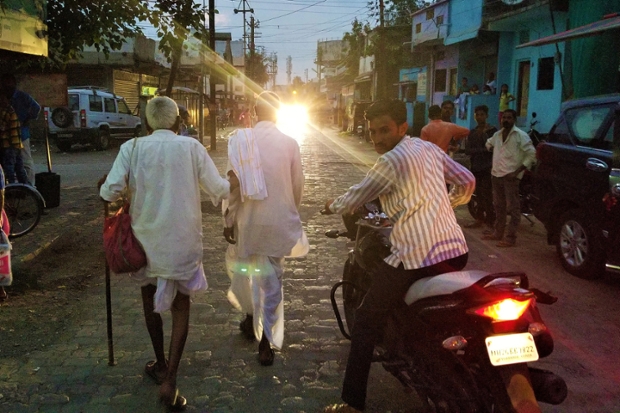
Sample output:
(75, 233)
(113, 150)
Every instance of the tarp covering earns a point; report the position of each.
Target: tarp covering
(579, 32)
(595, 59)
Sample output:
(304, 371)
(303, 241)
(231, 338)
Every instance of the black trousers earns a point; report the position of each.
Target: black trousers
(484, 195)
(387, 290)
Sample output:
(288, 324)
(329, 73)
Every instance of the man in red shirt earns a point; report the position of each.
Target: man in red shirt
(440, 132)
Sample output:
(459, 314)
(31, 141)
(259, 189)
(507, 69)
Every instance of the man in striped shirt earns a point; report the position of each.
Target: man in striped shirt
(410, 179)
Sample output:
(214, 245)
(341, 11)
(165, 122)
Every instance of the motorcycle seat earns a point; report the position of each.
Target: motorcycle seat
(443, 284)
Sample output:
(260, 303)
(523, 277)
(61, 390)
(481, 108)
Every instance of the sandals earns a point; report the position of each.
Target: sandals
(340, 408)
(266, 357)
(154, 371)
(177, 404)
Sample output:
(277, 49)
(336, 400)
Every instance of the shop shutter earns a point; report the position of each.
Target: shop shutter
(127, 85)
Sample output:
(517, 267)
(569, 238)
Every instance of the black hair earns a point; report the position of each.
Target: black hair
(451, 103)
(483, 108)
(394, 108)
(434, 112)
(514, 112)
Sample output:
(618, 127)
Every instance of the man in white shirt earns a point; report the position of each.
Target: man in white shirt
(264, 227)
(164, 173)
(513, 153)
(410, 180)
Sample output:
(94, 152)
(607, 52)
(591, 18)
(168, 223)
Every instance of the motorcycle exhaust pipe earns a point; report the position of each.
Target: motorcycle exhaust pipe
(548, 387)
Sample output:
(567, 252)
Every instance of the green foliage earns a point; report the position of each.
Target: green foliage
(355, 41)
(256, 67)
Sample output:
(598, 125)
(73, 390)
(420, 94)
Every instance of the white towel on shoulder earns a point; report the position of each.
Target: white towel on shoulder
(244, 160)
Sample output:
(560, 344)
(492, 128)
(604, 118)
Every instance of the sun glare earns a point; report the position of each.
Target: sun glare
(292, 120)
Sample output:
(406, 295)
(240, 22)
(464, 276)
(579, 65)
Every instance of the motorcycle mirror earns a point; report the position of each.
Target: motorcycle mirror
(533, 114)
(332, 233)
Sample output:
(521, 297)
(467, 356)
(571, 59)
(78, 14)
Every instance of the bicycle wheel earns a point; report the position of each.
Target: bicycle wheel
(23, 208)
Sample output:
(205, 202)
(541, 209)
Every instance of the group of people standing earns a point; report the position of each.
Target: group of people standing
(498, 160)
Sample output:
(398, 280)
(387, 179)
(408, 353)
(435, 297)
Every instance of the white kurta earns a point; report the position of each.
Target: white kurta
(167, 174)
(266, 230)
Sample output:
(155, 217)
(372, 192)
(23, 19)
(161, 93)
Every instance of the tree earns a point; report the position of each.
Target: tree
(355, 42)
(387, 44)
(175, 20)
(256, 68)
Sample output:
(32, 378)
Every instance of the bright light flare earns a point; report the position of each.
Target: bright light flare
(505, 310)
(292, 121)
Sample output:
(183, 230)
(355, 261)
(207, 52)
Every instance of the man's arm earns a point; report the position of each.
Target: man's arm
(462, 179)
(378, 181)
(458, 132)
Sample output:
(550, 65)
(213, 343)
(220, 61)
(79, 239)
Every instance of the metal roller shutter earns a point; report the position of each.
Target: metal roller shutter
(127, 85)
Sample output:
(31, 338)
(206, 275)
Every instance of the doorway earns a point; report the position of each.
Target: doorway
(523, 88)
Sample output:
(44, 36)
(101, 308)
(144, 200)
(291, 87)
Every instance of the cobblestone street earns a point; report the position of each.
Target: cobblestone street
(219, 371)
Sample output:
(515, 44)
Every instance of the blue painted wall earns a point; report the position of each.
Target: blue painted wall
(546, 103)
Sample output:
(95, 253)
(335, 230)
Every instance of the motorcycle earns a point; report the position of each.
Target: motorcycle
(461, 340)
(526, 184)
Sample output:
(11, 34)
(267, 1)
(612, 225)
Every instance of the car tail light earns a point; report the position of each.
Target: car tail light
(504, 310)
(82, 118)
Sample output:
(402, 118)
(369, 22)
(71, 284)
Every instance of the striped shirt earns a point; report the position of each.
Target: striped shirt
(410, 181)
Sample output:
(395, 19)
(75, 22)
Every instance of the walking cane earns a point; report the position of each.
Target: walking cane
(108, 300)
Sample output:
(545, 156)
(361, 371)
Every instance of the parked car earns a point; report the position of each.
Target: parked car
(93, 116)
(577, 185)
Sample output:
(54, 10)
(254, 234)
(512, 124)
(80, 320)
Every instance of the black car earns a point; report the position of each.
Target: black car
(577, 186)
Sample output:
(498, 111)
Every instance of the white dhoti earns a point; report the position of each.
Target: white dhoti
(256, 289)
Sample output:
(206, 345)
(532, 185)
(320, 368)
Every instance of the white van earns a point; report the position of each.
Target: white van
(93, 116)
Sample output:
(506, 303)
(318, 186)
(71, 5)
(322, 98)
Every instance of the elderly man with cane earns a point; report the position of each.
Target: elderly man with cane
(164, 173)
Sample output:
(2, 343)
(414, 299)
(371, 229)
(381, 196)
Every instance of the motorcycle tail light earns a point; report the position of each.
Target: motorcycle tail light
(45, 114)
(504, 310)
(82, 118)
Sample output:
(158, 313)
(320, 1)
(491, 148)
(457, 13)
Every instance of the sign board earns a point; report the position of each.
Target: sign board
(48, 90)
(422, 84)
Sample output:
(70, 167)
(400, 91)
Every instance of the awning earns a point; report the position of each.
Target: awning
(609, 23)
(363, 78)
(454, 38)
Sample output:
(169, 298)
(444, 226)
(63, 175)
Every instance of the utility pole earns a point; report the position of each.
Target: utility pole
(289, 69)
(244, 11)
(253, 25)
(380, 58)
(212, 106)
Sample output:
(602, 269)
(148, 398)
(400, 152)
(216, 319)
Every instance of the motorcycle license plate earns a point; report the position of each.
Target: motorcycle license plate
(65, 135)
(511, 349)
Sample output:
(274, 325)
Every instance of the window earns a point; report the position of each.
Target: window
(110, 107)
(440, 80)
(74, 102)
(430, 14)
(546, 73)
(439, 20)
(585, 123)
(560, 133)
(95, 103)
(123, 108)
(418, 27)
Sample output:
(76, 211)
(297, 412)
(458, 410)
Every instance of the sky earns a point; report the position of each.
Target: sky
(291, 27)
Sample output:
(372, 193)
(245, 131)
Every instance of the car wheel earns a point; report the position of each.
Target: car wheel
(63, 146)
(62, 117)
(578, 246)
(103, 140)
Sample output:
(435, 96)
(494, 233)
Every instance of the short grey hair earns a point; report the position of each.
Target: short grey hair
(161, 113)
